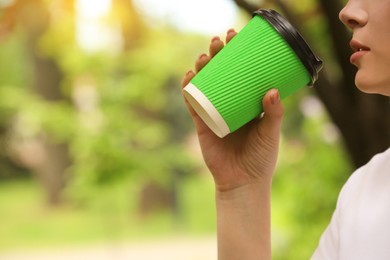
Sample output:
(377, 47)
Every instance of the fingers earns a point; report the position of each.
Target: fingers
(230, 34)
(187, 78)
(215, 46)
(201, 62)
(271, 122)
(200, 126)
(273, 109)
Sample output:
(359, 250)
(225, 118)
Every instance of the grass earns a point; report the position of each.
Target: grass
(109, 216)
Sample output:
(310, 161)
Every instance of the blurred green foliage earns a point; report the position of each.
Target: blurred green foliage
(109, 217)
(125, 122)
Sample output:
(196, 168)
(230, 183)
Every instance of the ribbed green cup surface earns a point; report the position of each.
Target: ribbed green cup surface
(255, 61)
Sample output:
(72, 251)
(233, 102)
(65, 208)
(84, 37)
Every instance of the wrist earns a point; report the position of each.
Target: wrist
(243, 191)
(245, 199)
(243, 221)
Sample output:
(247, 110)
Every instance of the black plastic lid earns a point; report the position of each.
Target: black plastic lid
(312, 63)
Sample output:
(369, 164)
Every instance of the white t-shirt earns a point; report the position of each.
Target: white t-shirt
(360, 226)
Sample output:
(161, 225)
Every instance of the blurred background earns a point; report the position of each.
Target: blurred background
(98, 157)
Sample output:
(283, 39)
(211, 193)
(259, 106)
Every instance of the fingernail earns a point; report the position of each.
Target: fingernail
(189, 72)
(202, 55)
(230, 31)
(216, 38)
(275, 97)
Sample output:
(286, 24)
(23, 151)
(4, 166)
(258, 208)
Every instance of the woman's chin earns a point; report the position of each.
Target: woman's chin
(368, 84)
(363, 87)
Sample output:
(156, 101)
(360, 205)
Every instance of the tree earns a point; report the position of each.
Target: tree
(34, 18)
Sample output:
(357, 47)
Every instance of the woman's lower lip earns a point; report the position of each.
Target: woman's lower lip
(356, 56)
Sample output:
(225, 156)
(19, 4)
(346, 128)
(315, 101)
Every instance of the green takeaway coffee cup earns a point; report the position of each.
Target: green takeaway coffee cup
(267, 53)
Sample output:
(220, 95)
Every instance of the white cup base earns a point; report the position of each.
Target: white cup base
(206, 110)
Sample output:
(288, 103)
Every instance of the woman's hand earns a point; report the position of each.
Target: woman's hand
(242, 165)
(249, 155)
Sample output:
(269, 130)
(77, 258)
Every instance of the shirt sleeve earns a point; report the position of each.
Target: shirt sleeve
(329, 242)
(329, 245)
(332, 242)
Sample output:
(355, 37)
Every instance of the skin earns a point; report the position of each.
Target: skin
(370, 25)
(242, 163)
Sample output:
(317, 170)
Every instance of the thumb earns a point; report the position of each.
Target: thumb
(270, 125)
